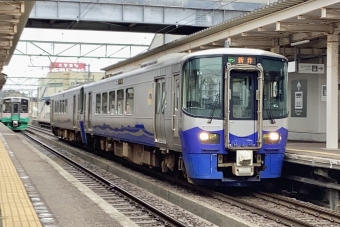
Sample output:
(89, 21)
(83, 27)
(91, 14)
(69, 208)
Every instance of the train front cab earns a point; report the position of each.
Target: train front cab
(15, 113)
(242, 148)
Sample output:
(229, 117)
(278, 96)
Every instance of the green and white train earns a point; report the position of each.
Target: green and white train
(14, 112)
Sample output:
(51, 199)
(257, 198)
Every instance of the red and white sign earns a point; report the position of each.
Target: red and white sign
(67, 66)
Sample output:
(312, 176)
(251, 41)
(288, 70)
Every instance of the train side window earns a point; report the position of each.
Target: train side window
(104, 103)
(129, 101)
(98, 103)
(120, 101)
(112, 102)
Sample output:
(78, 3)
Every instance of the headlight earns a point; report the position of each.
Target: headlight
(204, 136)
(209, 138)
(271, 138)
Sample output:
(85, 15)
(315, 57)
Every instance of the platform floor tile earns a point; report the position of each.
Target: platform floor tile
(16, 207)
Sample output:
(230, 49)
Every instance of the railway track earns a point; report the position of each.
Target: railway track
(289, 212)
(277, 210)
(41, 129)
(139, 211)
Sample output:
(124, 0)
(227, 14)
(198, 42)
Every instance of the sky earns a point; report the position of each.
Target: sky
(37, 66)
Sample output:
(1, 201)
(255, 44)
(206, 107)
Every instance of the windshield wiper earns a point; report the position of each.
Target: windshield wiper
(269, 113)
(217, 98)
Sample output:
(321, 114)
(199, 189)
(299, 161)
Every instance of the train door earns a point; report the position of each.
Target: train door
(74, 112)
(244, 107)
(175, 106)
(160, 105)
(89, 111)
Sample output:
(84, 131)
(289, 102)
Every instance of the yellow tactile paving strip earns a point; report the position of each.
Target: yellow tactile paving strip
(16, 207)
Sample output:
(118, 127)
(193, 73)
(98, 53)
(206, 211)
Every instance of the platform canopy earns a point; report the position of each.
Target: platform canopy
(13, 18)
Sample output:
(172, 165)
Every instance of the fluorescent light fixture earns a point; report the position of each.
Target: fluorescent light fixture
(300, 42)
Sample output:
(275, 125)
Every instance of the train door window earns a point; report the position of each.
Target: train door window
(242, 102)
(112, 102)
(120, 101)
(163, 97)
(84, 103)
(177, 94)
(129, 101)
(81, 101)
(79, 104)
(98, 103)
(104, 103)
(158, 95)
(65, 105)
(7, 105)
(24, 106)
(16, 108)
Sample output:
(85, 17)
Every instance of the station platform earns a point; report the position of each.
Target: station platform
(312, 154)
(16, 207)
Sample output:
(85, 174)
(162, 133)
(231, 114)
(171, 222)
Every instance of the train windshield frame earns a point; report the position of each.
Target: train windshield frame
(203, 79)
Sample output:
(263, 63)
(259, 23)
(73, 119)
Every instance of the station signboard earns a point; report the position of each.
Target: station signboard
(67, 66)
(311, 68)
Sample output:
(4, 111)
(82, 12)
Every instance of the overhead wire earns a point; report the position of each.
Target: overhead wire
(75, 22)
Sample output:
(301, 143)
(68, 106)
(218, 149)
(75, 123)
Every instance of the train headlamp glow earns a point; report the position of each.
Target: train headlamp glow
(210, 138)
(271, 138)
(204, 136)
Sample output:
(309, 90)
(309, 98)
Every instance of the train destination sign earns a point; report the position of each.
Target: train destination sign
(242, 60)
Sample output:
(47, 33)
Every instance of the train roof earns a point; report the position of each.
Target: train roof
(181, 57)
(10, 97)
(236, 51)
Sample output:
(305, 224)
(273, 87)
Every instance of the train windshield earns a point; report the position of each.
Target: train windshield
(6, 106)
(202, 87)
(24, 106)
(274, 89)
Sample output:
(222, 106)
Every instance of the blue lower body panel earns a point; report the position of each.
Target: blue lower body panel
(202, 170)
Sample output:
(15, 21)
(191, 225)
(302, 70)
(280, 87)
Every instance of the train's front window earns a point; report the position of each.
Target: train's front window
(202, 87)
(24, 106)
(274, 89)
(6, 106)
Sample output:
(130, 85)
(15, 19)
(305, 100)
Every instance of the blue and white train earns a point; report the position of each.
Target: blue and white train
(218, 116)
